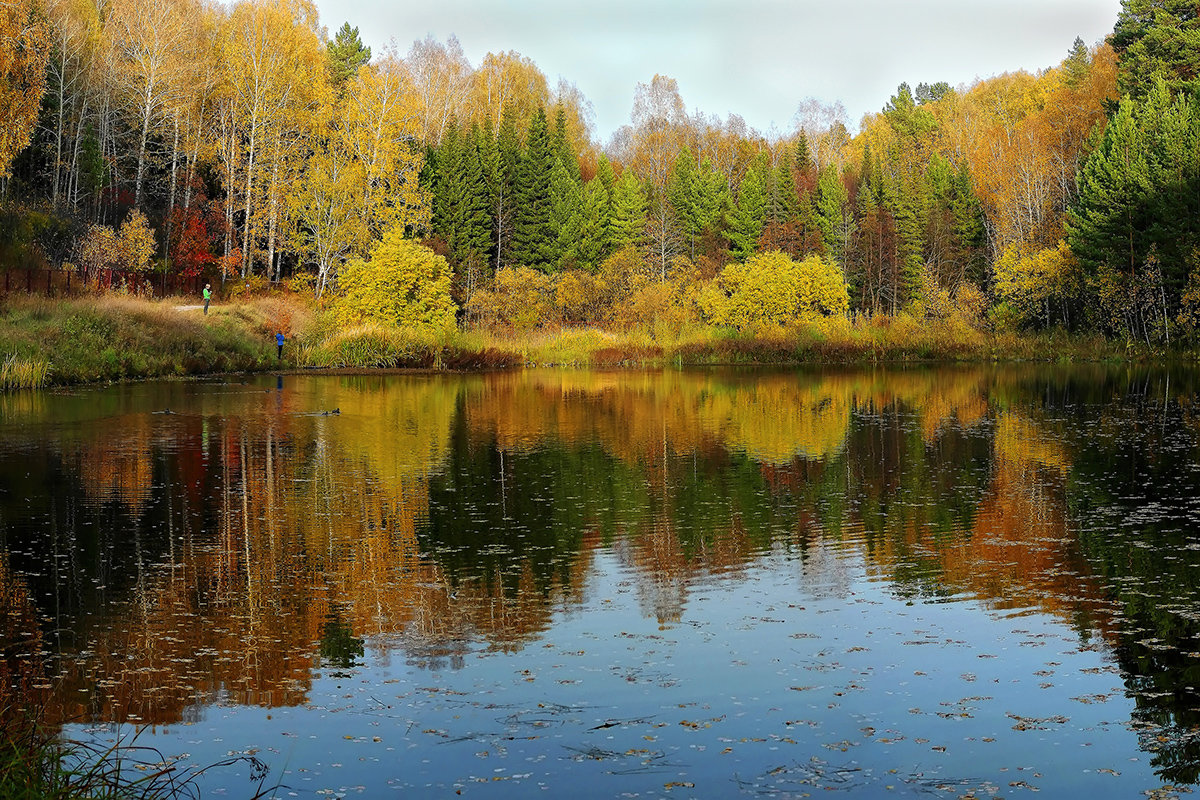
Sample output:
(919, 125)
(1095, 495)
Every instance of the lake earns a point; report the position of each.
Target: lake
(925, 582)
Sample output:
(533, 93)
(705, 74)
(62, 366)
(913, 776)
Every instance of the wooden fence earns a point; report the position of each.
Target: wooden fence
(60, 282)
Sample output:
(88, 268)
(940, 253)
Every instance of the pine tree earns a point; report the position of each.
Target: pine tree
(1156, 39)
(1077, 64)
(1106, 225)
(1139, 191)
(344, 55)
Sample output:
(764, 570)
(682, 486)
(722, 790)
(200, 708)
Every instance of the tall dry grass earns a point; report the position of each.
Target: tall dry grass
(23, 373)
(113, 337)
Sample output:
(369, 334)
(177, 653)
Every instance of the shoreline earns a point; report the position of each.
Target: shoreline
(112, 338)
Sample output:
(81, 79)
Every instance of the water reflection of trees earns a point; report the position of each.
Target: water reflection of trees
(1134, 485)
(224, 549)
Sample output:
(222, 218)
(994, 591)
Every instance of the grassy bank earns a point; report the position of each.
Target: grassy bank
(95, 339)
(108, 338)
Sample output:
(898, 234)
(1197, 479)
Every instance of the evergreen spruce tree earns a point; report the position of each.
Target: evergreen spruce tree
(534, 236)
(562, 144)
(782, 206)
(592, 246)
(473, 232)
(445, 167)
(461, 196)
(681, 194)
(831, 211)
(604, 172)
(627, 216)
(500, 159)
(566, 209)
(745, 223)
(969, 225)
(711, 199)
(803, 156)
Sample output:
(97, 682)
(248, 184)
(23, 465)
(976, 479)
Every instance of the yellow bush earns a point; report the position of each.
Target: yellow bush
(772, 288)
(622, 272)
(403, 284)
(579, 296)
(237, 288)
(970, 304)
(519, 298)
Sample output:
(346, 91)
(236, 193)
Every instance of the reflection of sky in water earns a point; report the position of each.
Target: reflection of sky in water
(642, 583)
(762, 687)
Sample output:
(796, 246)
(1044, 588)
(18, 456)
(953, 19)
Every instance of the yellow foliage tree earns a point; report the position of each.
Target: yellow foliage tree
(98, 249)
(506, 80)
(1023, 137)
(771, 288)
(136, 242)
(273, 80)
(361, 176)
(1189, 302)
(24, 50)
(402, 284)
(1029, 283)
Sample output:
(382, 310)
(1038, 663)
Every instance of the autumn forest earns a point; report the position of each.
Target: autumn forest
(245, 141)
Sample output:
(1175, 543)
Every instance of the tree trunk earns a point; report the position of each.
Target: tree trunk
(141, 162)
(249, 193)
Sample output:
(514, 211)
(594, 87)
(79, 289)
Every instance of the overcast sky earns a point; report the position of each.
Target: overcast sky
(756, 58)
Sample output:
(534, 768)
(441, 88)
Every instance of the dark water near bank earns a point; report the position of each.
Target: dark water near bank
(920, 583)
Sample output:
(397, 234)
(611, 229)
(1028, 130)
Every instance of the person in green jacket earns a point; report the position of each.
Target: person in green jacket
(207, 296)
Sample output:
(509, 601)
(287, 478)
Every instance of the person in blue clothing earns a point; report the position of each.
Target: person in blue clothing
(279, 340)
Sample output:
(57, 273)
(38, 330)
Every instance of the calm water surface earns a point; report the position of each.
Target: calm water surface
(921, 583)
